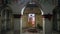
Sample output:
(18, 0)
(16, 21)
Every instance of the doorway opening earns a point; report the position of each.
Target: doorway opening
(31, 21)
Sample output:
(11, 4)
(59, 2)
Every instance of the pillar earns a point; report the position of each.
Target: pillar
(5, 22)
(0, 23)
(20, 24)
(47, 25)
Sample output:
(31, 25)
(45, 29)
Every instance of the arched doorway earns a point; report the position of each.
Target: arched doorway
(25, 24)
(56, 18)
(6, 20)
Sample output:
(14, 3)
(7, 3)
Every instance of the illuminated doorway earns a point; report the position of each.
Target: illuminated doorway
(31, 20)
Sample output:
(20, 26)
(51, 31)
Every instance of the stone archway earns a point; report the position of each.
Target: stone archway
(35, 11)
(6, 18)
(23, 13)
(56, 18)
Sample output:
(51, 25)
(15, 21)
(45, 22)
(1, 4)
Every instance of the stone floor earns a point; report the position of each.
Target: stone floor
(41, 32)
(11, 32)
(33, 33)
